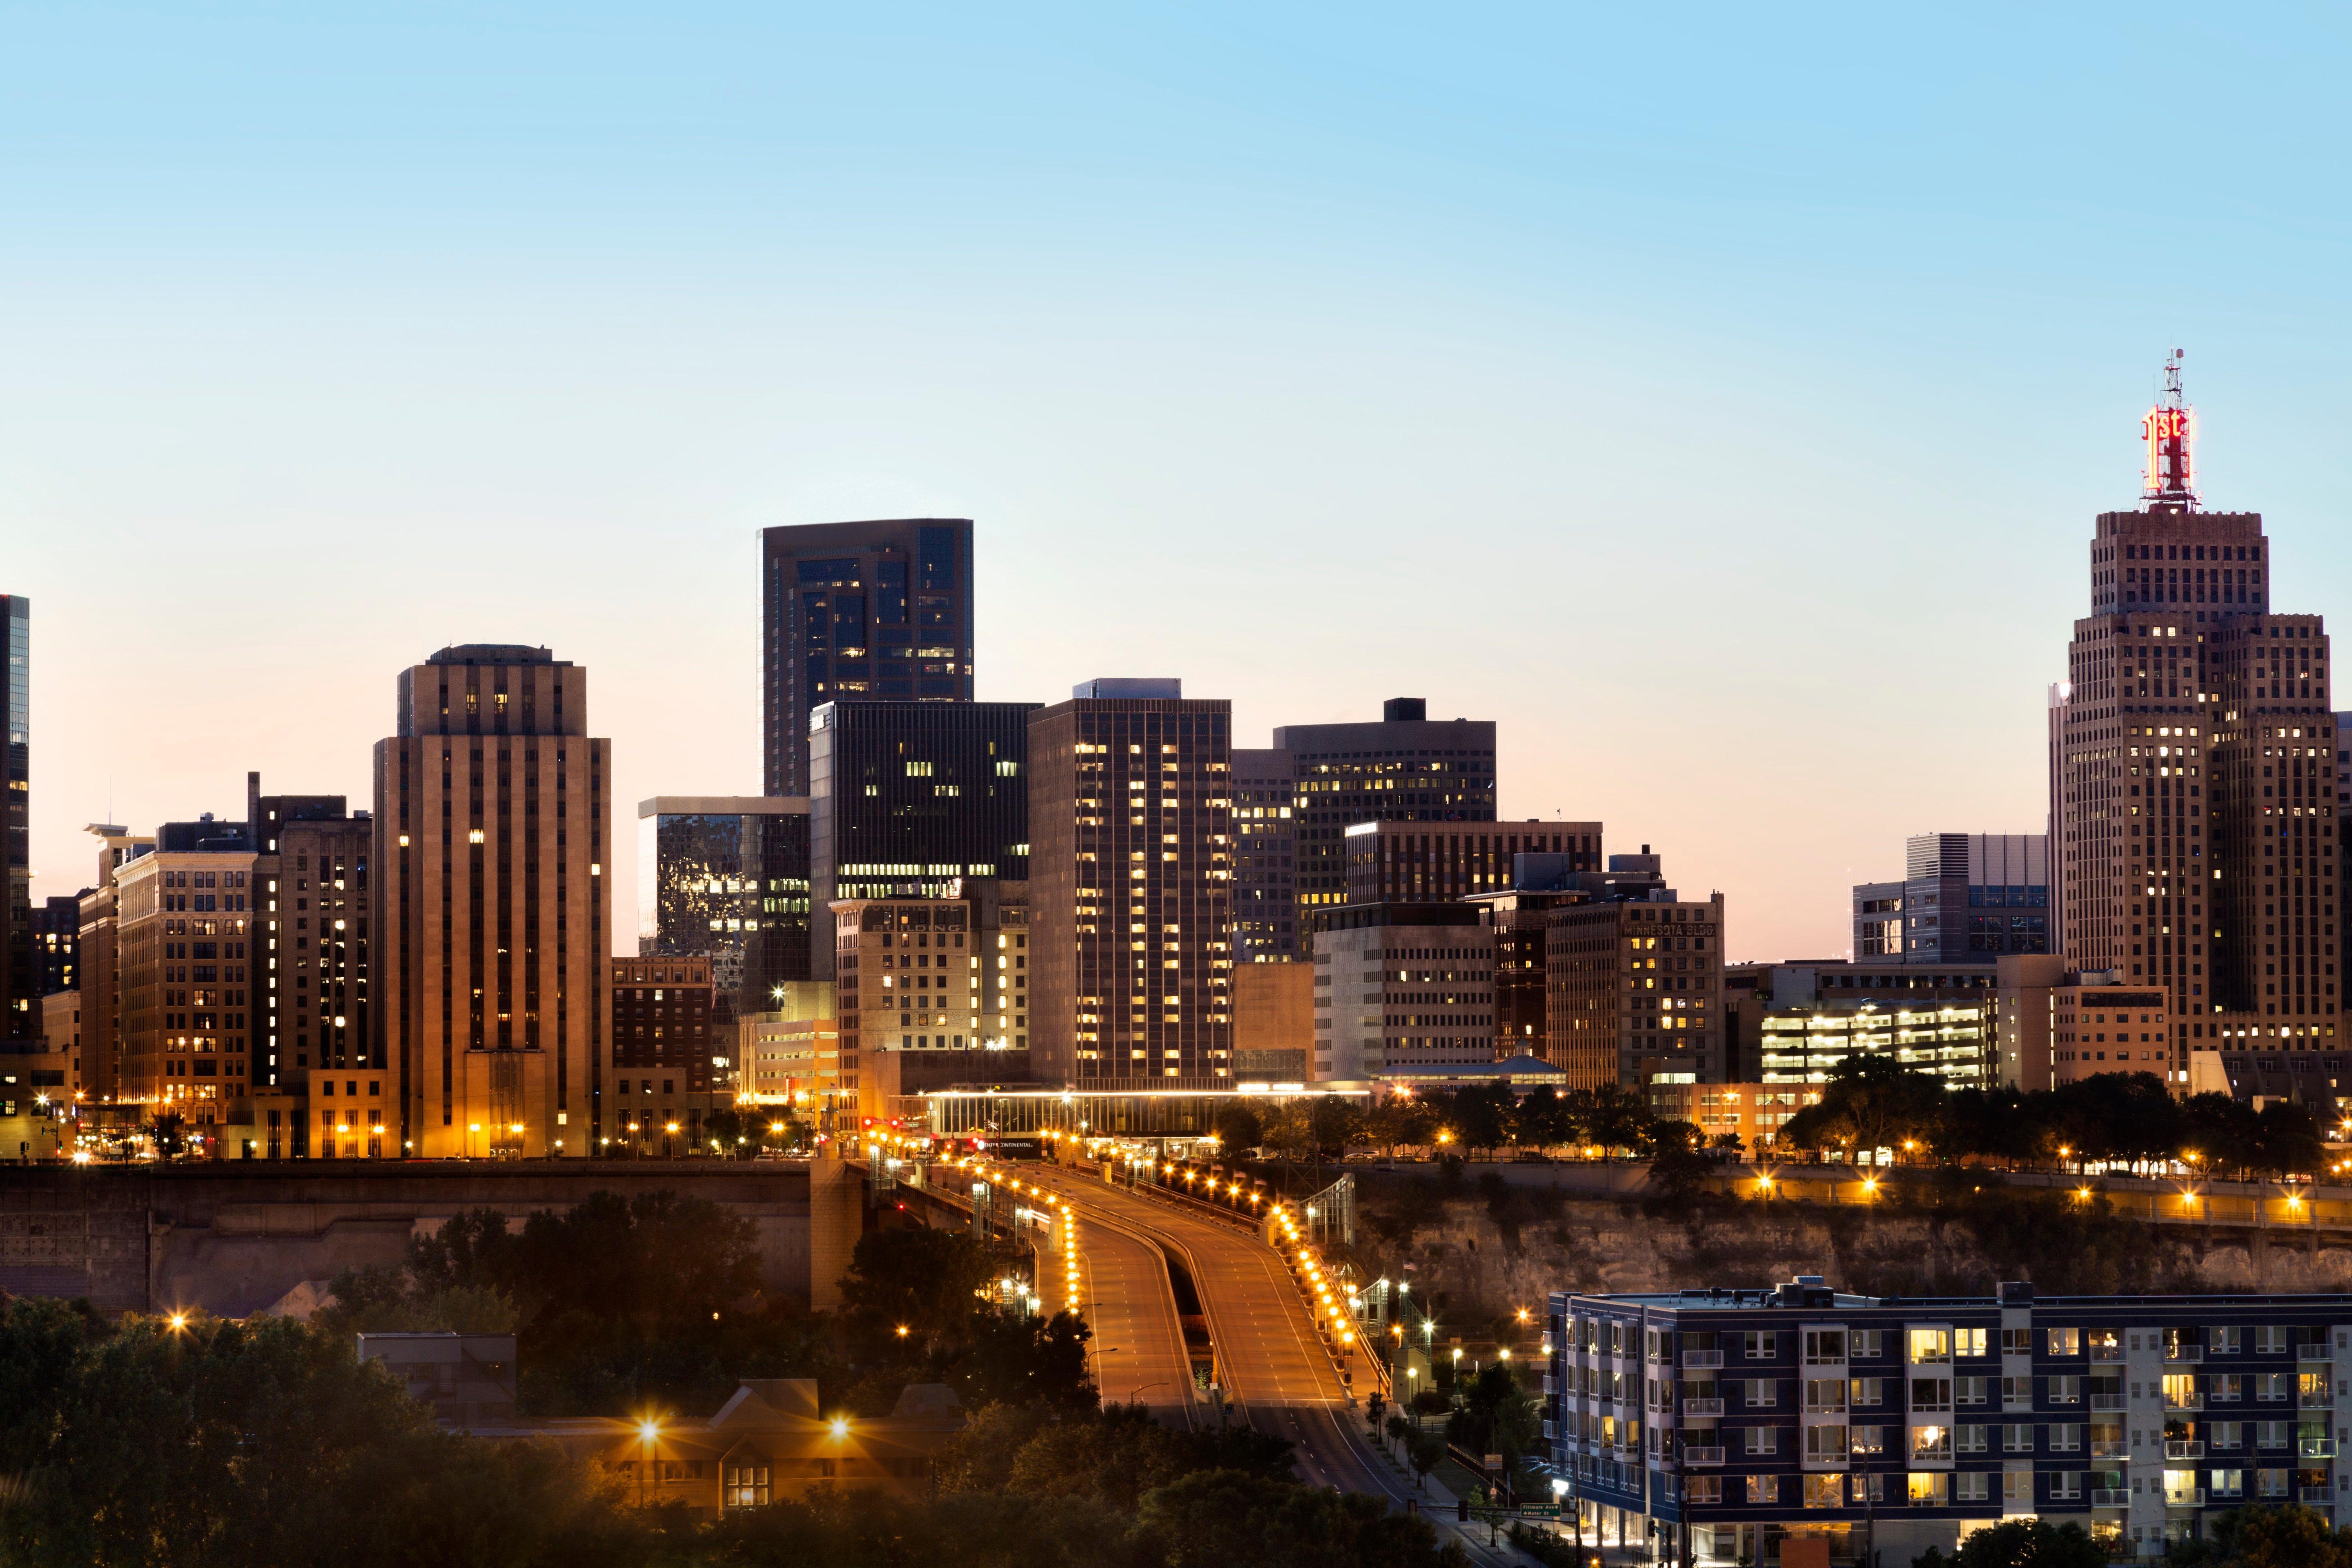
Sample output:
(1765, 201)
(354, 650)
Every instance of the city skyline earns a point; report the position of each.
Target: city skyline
(1752, 390)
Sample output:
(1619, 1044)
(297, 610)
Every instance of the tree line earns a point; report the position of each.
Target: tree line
(1873, 1103)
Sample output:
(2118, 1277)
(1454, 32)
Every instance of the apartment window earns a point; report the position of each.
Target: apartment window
(1824, 1491)
(1764, 1346)
(2017, 1341)
(2063, 1342)
(2065, 1390)
(1825, 1396)
(1761, 1440)
(1931, 1393)
(2270, 1340)
(1971, 1439)
(1868, 1392)
(1869, 1489)
(2017, 1394)
(1971, 1389)
(1968, 1341)
(1930, 1488)
(1763, 1488)
(747, 1486)
(1761, 1393)
(2066, 1438)
(1864, 1344)
(1931, 1442)
(2225, 1340)
(1824, 1347)
(1702, 1488)
(1865, 1441)
(2017, 1439)
(1971, 1486)
(1930, 1347)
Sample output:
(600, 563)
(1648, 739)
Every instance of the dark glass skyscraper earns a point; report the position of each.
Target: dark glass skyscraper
(1406, 768)
(726, 878)
(20, 975)
(906, 799)
(859, 611)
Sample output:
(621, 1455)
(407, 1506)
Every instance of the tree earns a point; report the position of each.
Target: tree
(1424, 1452)
(2291, 1536)
(168, 1130)
(2030, 1543)
(1333, 1123)
(1870, 1102)
(727, 1128)
(1679, 1164)
(918, 1279)
(1542, 1120)
(1238, 1128)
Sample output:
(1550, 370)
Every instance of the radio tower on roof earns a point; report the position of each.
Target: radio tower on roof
(2170, 429)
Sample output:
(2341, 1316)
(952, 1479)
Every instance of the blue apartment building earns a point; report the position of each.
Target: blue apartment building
(1800, 1426)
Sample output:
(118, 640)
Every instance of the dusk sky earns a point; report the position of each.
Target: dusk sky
(1718, 399)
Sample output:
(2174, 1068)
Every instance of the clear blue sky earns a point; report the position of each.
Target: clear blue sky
(1719, 399)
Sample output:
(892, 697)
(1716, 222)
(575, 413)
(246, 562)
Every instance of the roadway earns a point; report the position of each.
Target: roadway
(1139, 1344)
(1272, 1367)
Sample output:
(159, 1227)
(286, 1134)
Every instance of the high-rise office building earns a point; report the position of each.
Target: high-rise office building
(932, 992)
(872, 611)
(56, 942)
(726, 878)
(1406, 768)
(492, 825)
(20, 980)
(1131, 881)
(2194, 772)
(1266, 876)
(101, 960)
(907, 799)
(1426, 862)
(1402, 989)
(1633, 984)
(314, 1028)
(664, 1038)
(1965, 897)
(188, 973)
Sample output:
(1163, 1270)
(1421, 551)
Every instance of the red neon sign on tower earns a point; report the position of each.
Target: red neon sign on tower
(2170, 429)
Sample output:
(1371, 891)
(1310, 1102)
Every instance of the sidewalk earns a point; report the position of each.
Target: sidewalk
(1440, 1503)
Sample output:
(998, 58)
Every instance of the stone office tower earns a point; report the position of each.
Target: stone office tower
(864, 611)
(492, 831)
(2193, 775)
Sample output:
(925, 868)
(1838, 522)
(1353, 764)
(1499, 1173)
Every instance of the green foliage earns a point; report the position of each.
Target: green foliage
(930, 1283)
(1238, 1128)
(228, 1444)
(2289, 1536)
(1874, 1102)
(1497, 1416)
(1333, 1123)
(2030, 1544)
(1551, 1549)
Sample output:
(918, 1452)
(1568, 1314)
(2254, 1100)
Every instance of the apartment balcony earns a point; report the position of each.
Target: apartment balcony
(2314, 1495)
(2184, 1402)
(2110, 1497)
(2106, 1353)
(2313, 1352)
(1701, 1406)
(1700, 1358)
(2107, 1401)
(2317, 1399)
(2193, 1497)
(2184, 1353)
(2183, 1449)
(1703, 1456)
(2314, 1447)
(2105, 1450)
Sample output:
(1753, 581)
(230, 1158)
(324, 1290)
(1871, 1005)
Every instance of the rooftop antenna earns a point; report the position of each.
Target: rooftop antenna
(2170, 429)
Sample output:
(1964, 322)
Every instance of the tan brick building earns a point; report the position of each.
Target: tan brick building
(493, 827)
(1633, 990)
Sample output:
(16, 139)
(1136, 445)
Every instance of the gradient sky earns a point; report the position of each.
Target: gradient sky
(1719, 398)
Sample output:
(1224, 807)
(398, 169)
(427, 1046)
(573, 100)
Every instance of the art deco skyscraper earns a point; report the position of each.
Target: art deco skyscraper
(492, 830)
(858, 610)
(2193, 775)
